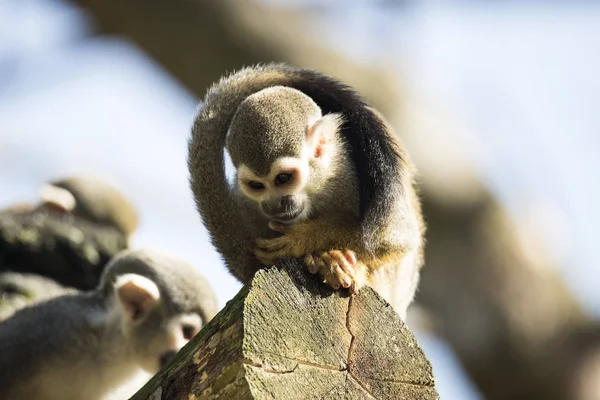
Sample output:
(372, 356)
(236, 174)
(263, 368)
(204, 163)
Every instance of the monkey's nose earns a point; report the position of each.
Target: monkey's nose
(166, 357)
(286, 202)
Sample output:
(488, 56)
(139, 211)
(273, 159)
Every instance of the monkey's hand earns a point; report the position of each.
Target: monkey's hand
(298, 240)
(289, 245)
(338, 268)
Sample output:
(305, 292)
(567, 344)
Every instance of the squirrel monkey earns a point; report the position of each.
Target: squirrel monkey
(87, 345)
(320, 175)
(86, 197)
(91, 199)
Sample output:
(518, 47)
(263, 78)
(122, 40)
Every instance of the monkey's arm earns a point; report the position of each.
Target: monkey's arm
(230, 231)
(326, 234)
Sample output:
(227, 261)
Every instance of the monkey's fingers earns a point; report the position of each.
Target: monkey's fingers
(311, 264)
(278, 227)
(331, 272)
(344, 270)
(331, 277)
(322, 268)
(265, 257)
(273, 250)
(273, 245)
(350, 256)
(335, 276)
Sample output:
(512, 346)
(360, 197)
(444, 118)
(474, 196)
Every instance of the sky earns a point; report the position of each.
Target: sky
(522, 78)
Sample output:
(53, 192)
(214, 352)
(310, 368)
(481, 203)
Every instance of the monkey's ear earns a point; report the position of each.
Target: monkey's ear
(57, 198)
(137, 295)
(321, 134)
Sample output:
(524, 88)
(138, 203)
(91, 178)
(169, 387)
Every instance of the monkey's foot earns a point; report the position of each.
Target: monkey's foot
(339, 268)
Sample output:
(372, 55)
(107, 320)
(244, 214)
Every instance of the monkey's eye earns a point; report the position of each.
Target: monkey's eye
(282, 179)
(188, 331)
(255, 185)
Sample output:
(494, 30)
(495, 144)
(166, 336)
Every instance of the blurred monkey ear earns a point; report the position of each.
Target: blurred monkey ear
(137, 295)
(321, 133)
(57, 198)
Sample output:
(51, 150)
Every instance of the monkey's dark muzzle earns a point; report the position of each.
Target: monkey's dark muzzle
(166, 357)
(286, 217)
(284, 209)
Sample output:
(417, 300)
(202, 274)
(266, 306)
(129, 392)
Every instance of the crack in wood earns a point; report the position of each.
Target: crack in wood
(349, 376)
(359, 383)
(309, 364)
(421, 385)
(351, 349)
(304, 362)
(245, 361)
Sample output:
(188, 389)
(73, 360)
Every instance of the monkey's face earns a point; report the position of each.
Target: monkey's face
(156, 327)
(281, 194)
(159, 338)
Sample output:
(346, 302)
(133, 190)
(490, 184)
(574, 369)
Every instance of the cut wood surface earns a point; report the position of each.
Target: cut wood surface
(287, 336)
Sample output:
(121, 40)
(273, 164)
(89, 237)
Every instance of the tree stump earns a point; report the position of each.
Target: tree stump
(287, 336)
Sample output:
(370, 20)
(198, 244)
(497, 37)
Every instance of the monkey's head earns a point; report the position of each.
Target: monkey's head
(162, 303)
(279, 142)
(91, 199)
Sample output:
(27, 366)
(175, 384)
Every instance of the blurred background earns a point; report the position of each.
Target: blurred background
(497, 102)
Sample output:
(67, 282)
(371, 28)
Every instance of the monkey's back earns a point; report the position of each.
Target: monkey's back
(43, 339)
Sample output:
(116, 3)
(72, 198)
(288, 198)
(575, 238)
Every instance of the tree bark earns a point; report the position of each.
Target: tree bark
(288, 336)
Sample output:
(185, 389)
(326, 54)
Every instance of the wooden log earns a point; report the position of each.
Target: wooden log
(287, 336)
